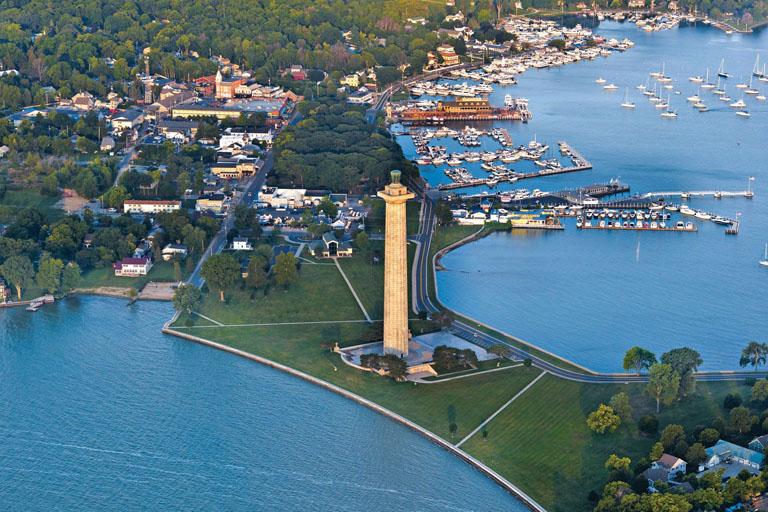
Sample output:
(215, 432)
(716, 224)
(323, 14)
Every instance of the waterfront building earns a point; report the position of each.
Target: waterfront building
(395, 195)
(132, 267)
(150, 206)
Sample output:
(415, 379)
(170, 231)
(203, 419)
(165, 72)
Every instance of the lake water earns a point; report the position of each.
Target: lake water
(590, 295)
(100, 411)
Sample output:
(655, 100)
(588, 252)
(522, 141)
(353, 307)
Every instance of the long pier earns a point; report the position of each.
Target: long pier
(628, 228)
(702, 193)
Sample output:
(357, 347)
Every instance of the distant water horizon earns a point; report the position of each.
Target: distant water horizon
(101, 411)
(588, 296)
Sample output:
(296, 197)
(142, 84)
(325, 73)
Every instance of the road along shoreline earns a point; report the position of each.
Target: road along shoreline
(466, 457)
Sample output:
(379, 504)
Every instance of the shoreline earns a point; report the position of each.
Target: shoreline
(505, 484)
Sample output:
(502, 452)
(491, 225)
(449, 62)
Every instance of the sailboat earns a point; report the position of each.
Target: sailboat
(694, 99)
(764, 261)
(751, 90)
(756, 68)
(627, 103)
(696, 79)
(721, 70)
(669, 113)
(718, 90)
(707, 84)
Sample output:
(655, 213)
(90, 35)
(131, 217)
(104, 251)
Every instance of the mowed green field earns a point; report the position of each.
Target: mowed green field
(465, 402)
(14, 200)
(541, 441)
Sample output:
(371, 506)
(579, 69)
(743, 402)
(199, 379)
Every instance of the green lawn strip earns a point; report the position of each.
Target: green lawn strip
(467, 401)
(368, 281)
(319, 294)
(482, 366)
(542, 443)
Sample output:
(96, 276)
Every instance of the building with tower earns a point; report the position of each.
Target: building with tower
(395, 195)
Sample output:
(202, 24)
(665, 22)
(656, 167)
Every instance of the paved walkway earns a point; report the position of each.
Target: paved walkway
(490, 418)
(464, 376)
(207, 318)
(354, 293)
(272, 324)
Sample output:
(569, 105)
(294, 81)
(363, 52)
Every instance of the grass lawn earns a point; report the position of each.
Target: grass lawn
(467, 401)
(319, 294)
(161, 271)
(19, 199)
(541, 441)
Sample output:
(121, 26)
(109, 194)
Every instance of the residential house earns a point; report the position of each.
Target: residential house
(449, 55)
(83, 101)
(150, 206)
(171, 251)
(330, 247)
(352, 80)
(107, 143)
(132, 267)
(127, 120)
(724, 452)
(759, 444)
(241, 243)
(174, 129)
(297, 72)
(674, 466)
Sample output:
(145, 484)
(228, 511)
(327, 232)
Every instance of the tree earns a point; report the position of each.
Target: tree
(49, 273)
(754, 355)
(257, 276)
(671, 435)
(361, 241)
(657, 450)
(760, 391)
(18, 271)
(706, 499)
(740, 419)
(663, 384)
(617, 463)
(245, 217)
(685, 361)
(638, 359)
(709, 436)
(500, 351)
(648, 424)
(328, 208)
(177, 271)
(696, 454)
(186, 298)
(443, 213)
(620, 404)
(285, 270)
(70, 278)
(603, 419)
(221, 271)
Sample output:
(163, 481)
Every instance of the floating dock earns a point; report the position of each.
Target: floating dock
(693, 229)
(717, 194)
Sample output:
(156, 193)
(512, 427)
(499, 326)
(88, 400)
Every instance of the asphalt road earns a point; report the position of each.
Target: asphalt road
(219, 241)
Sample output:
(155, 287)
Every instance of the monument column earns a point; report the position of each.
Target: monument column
(395, 196)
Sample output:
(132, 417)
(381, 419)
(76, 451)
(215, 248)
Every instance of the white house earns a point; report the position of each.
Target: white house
(132, 267)
(172, 250)
(150, 206)
(673, 465)
(127, 120)
(241, 244)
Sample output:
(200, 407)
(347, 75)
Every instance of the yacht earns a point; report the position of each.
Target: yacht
(700, 105)
(723, 221)
(740, 104)
(687, 210)
(627, 103)
(600, 81)
(669, 114)
(610, 87)
(751, 90)
(764, 261)
(696, 79)
(702, 215)
(725, 98)
(694, 99)
(742, 113)
(760, 97)
(742, 85)
(721, 70)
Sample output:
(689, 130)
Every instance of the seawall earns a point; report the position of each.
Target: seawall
(493, 475)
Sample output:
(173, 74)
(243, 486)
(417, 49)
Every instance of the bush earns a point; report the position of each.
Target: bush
(750, 381)
(648, 425)
(732, 400)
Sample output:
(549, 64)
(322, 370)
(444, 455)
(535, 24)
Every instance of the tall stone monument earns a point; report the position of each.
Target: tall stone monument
(395, 268)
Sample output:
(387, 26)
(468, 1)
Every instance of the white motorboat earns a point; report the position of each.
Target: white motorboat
(742, 113)
(610, 87)
(600, 81)
(764, 262)
(740, 104)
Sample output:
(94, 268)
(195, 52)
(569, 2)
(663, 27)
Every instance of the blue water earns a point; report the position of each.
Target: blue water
(100, 411)
(588, 295)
